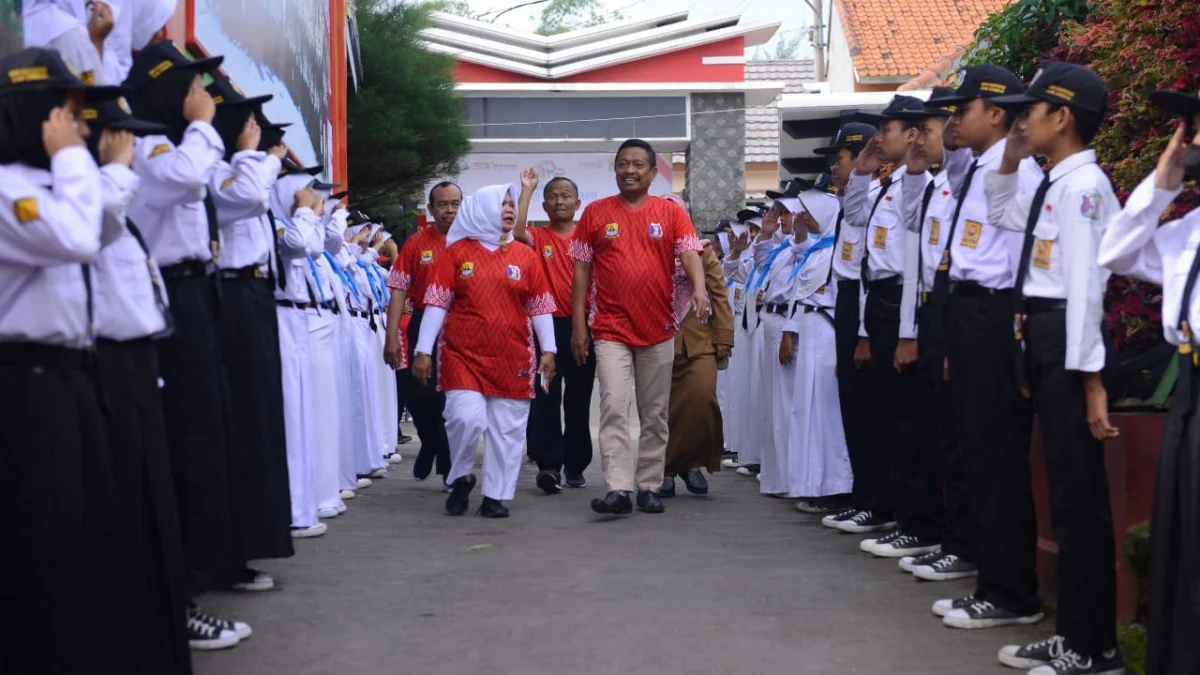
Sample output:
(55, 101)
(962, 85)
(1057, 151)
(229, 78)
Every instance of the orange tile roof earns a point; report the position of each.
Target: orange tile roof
(900, 38)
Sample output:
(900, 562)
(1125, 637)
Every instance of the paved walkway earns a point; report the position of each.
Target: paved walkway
(735, 583)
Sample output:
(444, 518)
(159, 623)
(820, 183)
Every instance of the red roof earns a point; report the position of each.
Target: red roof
(900, 38)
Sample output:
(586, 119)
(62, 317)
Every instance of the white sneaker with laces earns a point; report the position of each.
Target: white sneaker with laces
(347, 494)
(309, 532)
(730, 464)
(363, 483)
(378, 473)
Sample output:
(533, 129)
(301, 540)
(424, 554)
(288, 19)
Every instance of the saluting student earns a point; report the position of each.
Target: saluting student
(240, 189)
(487, 298)
(747, 432)
(992, 420)
(60, 556)
(844, 271)
(1135, 245)
(736, 266)
(1058, 310)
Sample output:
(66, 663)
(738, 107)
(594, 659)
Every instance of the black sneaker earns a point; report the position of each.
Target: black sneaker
(648, 502)
(868, 545)
(576, 480)
(492, 508)
(909, 562)
(749, 470)
(905, 544)
(549, 482)
(241, 630)
(1033, 654)
(695, 482)
(460, 495)
(616, 503)
(1074, 663)
(946, 568)
(834, 519)
(667, 490)
(204, 636)
(983, 614)
(947, 605)
(867, 521)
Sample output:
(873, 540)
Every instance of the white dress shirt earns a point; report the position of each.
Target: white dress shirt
(127, 286)
(1135, 245)
(736, 271)
(240, 191)
(891, 248)
(169, 207)
(847, 251)
(776, 286)
(935, 228)
(1063, 262)
(294, 236)
(981, 251)
(360, 298)
(810, 287)
(46, 234)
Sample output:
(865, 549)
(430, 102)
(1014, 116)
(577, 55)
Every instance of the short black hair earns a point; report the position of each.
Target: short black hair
(559, 179)
(1087, 124)
(639, 143)
(443, 184)
(1010, 115)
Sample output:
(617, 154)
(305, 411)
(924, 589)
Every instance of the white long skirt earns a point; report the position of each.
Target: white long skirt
(775, 386)
(821, 466)
(299, 414)
(385, 387)
(324, 349)
(359, 418)
(750, 417)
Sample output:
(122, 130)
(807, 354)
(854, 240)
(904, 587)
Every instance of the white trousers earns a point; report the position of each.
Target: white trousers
(778, 384)
(358, 404)
(734, 405)
(299, 414)
(388, 428)
(501, 423)
(756, 421)
(821, 465)
(325, 356)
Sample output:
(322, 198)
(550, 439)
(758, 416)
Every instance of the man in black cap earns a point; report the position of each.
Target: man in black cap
(1058, 312)
(1136, 245)
(844, 271)
(61, 561)
(992, 419)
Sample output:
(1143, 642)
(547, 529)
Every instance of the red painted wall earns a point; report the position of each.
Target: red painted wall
(685, 65)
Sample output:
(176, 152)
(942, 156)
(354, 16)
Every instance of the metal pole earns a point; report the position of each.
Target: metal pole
(818, 43)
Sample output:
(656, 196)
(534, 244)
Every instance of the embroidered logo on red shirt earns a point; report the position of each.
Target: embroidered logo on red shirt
(467, 269)
(656, 230)
(514, 272)
(548, 251)
(611, 230)
(426, 257)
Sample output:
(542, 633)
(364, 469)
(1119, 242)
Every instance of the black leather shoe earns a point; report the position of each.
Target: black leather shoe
(648, 502)
(695, 482)
(616, 503)
(668, 488)
(548, 482)
(460, 495)
(423, 466)
(492, 508)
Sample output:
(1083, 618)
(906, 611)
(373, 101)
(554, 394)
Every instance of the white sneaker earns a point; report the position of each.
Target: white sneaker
(363, 483)
(348, 494)
(395, 458)
(743, 471)
(309, 532)
(330, 512)
(730, 463)
(256, 581)
(378, 473)
(341, 508)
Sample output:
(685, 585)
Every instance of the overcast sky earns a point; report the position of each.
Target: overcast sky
(798, 19)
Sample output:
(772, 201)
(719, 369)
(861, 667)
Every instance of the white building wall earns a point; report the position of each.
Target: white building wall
(838, 63)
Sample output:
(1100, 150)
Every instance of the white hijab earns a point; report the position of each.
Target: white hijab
(283, 194)
(479, 216)
(149, 16)
(824, 209)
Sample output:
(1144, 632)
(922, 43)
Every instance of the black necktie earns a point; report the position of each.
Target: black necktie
(883, 189)
(837, 234)
(941, 280)
(1035, 210)
(91, 306)
(920, 233)
(1187, 355)
(280, 277)
(155, 278)
(214, 240)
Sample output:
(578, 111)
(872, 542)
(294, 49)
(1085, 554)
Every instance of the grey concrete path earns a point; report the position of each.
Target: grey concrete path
(735, 583)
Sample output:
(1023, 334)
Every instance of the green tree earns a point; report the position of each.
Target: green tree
(405, 126)
(560, 16)
(1020, 36)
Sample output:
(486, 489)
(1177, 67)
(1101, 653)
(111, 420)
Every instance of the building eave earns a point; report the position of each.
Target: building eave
(758, 93)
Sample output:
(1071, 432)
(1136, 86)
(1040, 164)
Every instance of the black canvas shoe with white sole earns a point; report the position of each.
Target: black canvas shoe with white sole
(868, 545)
(832, 520)
(238, 628)
(946, 605)
(909, 562)
(1074, 663)
(206, 637)
(1033, 654)
(867, 521)
(946, 568)
(982, 614)
(905, 544)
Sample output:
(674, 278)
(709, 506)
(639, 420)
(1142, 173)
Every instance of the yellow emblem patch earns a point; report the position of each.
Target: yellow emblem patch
(279, 232)
(88, 77)
(611, 230)
(880, 240)
(31, 74)
(227, 182)
(90, 113)
(467, 269)
(935, 228)
(1041, 253)
(26, 209)
(548, 251)
(160, 149)
(847, 251)
(426, 257)
(971, 234)
(162, 67)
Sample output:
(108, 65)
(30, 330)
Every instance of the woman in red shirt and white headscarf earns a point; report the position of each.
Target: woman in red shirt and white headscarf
(490, 297)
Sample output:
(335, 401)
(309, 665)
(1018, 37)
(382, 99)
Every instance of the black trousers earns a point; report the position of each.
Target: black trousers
(427, 405)
(870, 484)
(61, 593)
(1080, 509)
(923, 477)
(155, 578)
(553, 446)
(195, 404)
(258, 471)
(894, 429)
(1174, 612)
(992, 424)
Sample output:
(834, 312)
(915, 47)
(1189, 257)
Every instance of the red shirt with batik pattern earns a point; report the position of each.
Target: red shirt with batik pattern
(632, 252)
(487, 341)
(554, 250)
(412, 268)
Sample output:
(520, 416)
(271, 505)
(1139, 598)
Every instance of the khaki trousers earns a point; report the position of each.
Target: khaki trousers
(626, 372)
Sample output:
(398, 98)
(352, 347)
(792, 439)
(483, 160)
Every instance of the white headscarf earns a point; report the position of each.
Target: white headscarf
(283, 194)
(479, 216)
(149, 16)
(824, 208)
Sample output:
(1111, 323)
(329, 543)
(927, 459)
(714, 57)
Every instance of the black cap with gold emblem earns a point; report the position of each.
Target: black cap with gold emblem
(116, 114)
(984, 81)
(37, 69)
(1063, 84)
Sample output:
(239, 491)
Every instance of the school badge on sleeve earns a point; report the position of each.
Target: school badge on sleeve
(426, 257)
(513, 272)
(26, 209)
(467, 269)
(1089, 207)
(611, 231)
(160, 149)
(655, 231)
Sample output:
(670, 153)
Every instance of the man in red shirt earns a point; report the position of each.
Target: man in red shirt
(555, 446)
(408, 280)
(628, 244)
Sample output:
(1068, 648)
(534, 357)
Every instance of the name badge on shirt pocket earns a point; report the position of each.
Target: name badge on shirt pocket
(971, 234)
(935, 229)
(847, 251)
(1041, 253)
(880, 240)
